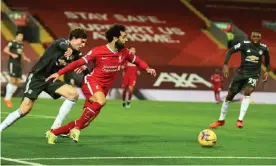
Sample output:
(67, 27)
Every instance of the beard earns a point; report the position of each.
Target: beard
(119, 45)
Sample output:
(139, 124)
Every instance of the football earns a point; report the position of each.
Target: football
(207, 138)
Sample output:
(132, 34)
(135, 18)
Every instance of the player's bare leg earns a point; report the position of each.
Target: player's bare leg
(216, 97)
(244, 106)
(124, 96)
(223, 111)
(25, 108)
(130, 92)
(10, 89)
(71, 95)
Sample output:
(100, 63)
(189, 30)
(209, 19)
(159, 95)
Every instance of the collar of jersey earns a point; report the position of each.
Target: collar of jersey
(114, 52)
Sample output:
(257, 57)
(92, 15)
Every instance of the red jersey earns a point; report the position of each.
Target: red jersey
(130, 70)
(107, 63)
(216, 80)
(129, 75)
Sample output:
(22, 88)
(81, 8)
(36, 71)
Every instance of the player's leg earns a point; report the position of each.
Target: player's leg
(57, 89)
(124, 88)
(10, 89)
(124, 96)
(92, 106)
(91, 110)
(249, 88)
(24, 109)
(33, 87)
(15, 72)
(132, 82)
(216, 95)
(235, 87)
(130, 93)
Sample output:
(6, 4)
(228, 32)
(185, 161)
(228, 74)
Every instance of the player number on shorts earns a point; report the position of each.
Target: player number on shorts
(252, 81)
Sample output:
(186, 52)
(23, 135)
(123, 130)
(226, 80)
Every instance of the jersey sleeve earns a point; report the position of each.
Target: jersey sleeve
(136, 60)
(91, 55)
(10, 44)
(267, 59)
(235, 48)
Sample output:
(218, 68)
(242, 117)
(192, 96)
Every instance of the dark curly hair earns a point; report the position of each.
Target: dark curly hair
(77, 33)
(114, 31)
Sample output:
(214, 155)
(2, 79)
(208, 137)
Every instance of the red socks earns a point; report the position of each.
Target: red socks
(87, 116)
(64, 129)
(124, 95)
(129, 95)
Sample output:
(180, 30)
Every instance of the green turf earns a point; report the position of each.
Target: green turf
(149, 128)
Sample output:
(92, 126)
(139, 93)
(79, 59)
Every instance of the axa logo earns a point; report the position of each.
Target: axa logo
(184, 80)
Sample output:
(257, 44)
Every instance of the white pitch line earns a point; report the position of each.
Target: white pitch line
(150, 157)
(19, 161)
(36, 116)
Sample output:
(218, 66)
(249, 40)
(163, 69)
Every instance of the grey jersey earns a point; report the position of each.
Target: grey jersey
(16, 48)
(251, 57)
(53, 58)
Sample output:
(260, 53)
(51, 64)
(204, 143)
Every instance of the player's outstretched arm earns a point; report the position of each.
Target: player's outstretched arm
(140, 63)
(227, 57)
(66, 69)
(26, 58)
(8, 52)
(89, 57)
(143, 65)
(267, 65)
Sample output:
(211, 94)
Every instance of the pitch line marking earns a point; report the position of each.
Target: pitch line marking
(150, 157)
(19, 161)
(36, 116)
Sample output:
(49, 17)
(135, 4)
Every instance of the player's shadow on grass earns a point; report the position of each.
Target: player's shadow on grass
(131, 139)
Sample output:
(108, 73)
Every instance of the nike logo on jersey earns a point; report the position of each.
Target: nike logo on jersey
(104, 57)
(248, 51)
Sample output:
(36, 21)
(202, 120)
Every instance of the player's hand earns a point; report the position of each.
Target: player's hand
(151, 71)
(225, 71)
(138, 72)
(54, 76)
(265, 76)
(27, 59)
(80, 69)
(14, 56)
(68, 53)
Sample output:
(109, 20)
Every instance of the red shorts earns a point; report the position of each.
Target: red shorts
(91, 87)
(129, 81)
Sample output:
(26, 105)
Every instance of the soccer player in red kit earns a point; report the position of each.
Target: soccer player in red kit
(129, 80)
(108, 60)
(216, 80)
